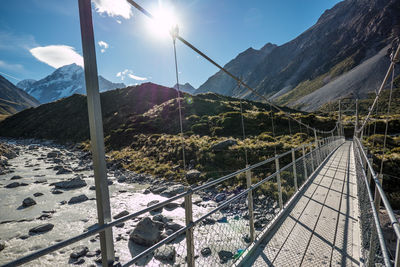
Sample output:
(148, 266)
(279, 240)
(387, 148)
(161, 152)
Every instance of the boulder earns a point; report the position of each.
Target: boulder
(147, 232)
(173, 191)
(171, 206)
(121, 214)
(16, 177)
(165, 253)
(37, 194)
(153, 202)
(223, 145)
(2, 245)
(206, 252)
(63, 170)
(174, 226)
(13, 185)
(53, 154)
(27, 202)
(79, 251)
(78, 199)
(225, 256)
(121, 179)
(41, 228)
(73, 183)
(220, 197)
(192, 176)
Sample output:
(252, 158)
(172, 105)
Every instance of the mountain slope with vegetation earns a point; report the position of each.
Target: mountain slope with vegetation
(141, 128)
(14, 99)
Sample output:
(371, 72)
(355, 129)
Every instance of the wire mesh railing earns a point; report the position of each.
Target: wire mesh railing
(232, 222)
(379, 227)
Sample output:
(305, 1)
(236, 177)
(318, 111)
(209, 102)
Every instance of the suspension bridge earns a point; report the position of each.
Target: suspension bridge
(320, 209)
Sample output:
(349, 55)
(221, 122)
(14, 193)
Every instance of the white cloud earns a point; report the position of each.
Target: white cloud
(11, 67)
(129, 73)
(103, 46)
(57, 55)
(113, 8)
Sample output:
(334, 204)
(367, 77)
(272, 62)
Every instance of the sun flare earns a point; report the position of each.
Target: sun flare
(164, 20)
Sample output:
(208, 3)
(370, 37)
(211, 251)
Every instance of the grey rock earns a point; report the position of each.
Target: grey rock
(121, 214)
(38, 194)
(205, 251)
(92, 187)
(153, 202)
(225, 255)
(41, 228)
(15, 177)
(79, 251)
(56, 192)
(174, 226)
(193, 176)
(53, 154)
(64, 170)
(73, 183)
(78, 199)
(165, 253)
(27, 202)
(220, 197)
(171, 206)
(2, 245)
(13, 185)
(173, 190)
(121, 179)
(147, 232)
(224, 145)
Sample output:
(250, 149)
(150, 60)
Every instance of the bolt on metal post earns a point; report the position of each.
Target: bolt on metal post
(250, 204)
(278, 180)
(189, 232)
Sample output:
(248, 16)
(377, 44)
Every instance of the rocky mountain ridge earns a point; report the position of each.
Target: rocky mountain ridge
(344, 37)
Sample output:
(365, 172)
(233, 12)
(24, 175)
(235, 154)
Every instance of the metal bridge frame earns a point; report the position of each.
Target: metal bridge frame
(322, 149)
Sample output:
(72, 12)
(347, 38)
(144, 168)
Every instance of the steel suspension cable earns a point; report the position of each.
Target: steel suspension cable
(174, 33)
(387, 123)
(145, 12)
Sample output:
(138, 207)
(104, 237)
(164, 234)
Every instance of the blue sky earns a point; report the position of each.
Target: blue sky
(38, 35)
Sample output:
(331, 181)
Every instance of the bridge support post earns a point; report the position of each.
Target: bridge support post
(369, 174)
(304, 163)
(278, 180)
(397, 256)
(189, 232)
(377, 198)
(96, 130)
(250, 204)
(312, 158)
(318, 154)
(294, 170)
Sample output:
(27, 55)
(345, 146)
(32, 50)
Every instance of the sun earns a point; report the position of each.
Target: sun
(164, 19)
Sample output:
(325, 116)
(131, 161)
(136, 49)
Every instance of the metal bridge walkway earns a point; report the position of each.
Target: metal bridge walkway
(322, 227)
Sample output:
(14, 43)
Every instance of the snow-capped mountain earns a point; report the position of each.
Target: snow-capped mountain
(63, 82)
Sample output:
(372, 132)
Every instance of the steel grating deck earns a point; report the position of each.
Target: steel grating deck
(322, 228)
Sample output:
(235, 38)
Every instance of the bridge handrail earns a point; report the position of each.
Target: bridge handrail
(386, 203)
(95, 230)
(375, 216)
